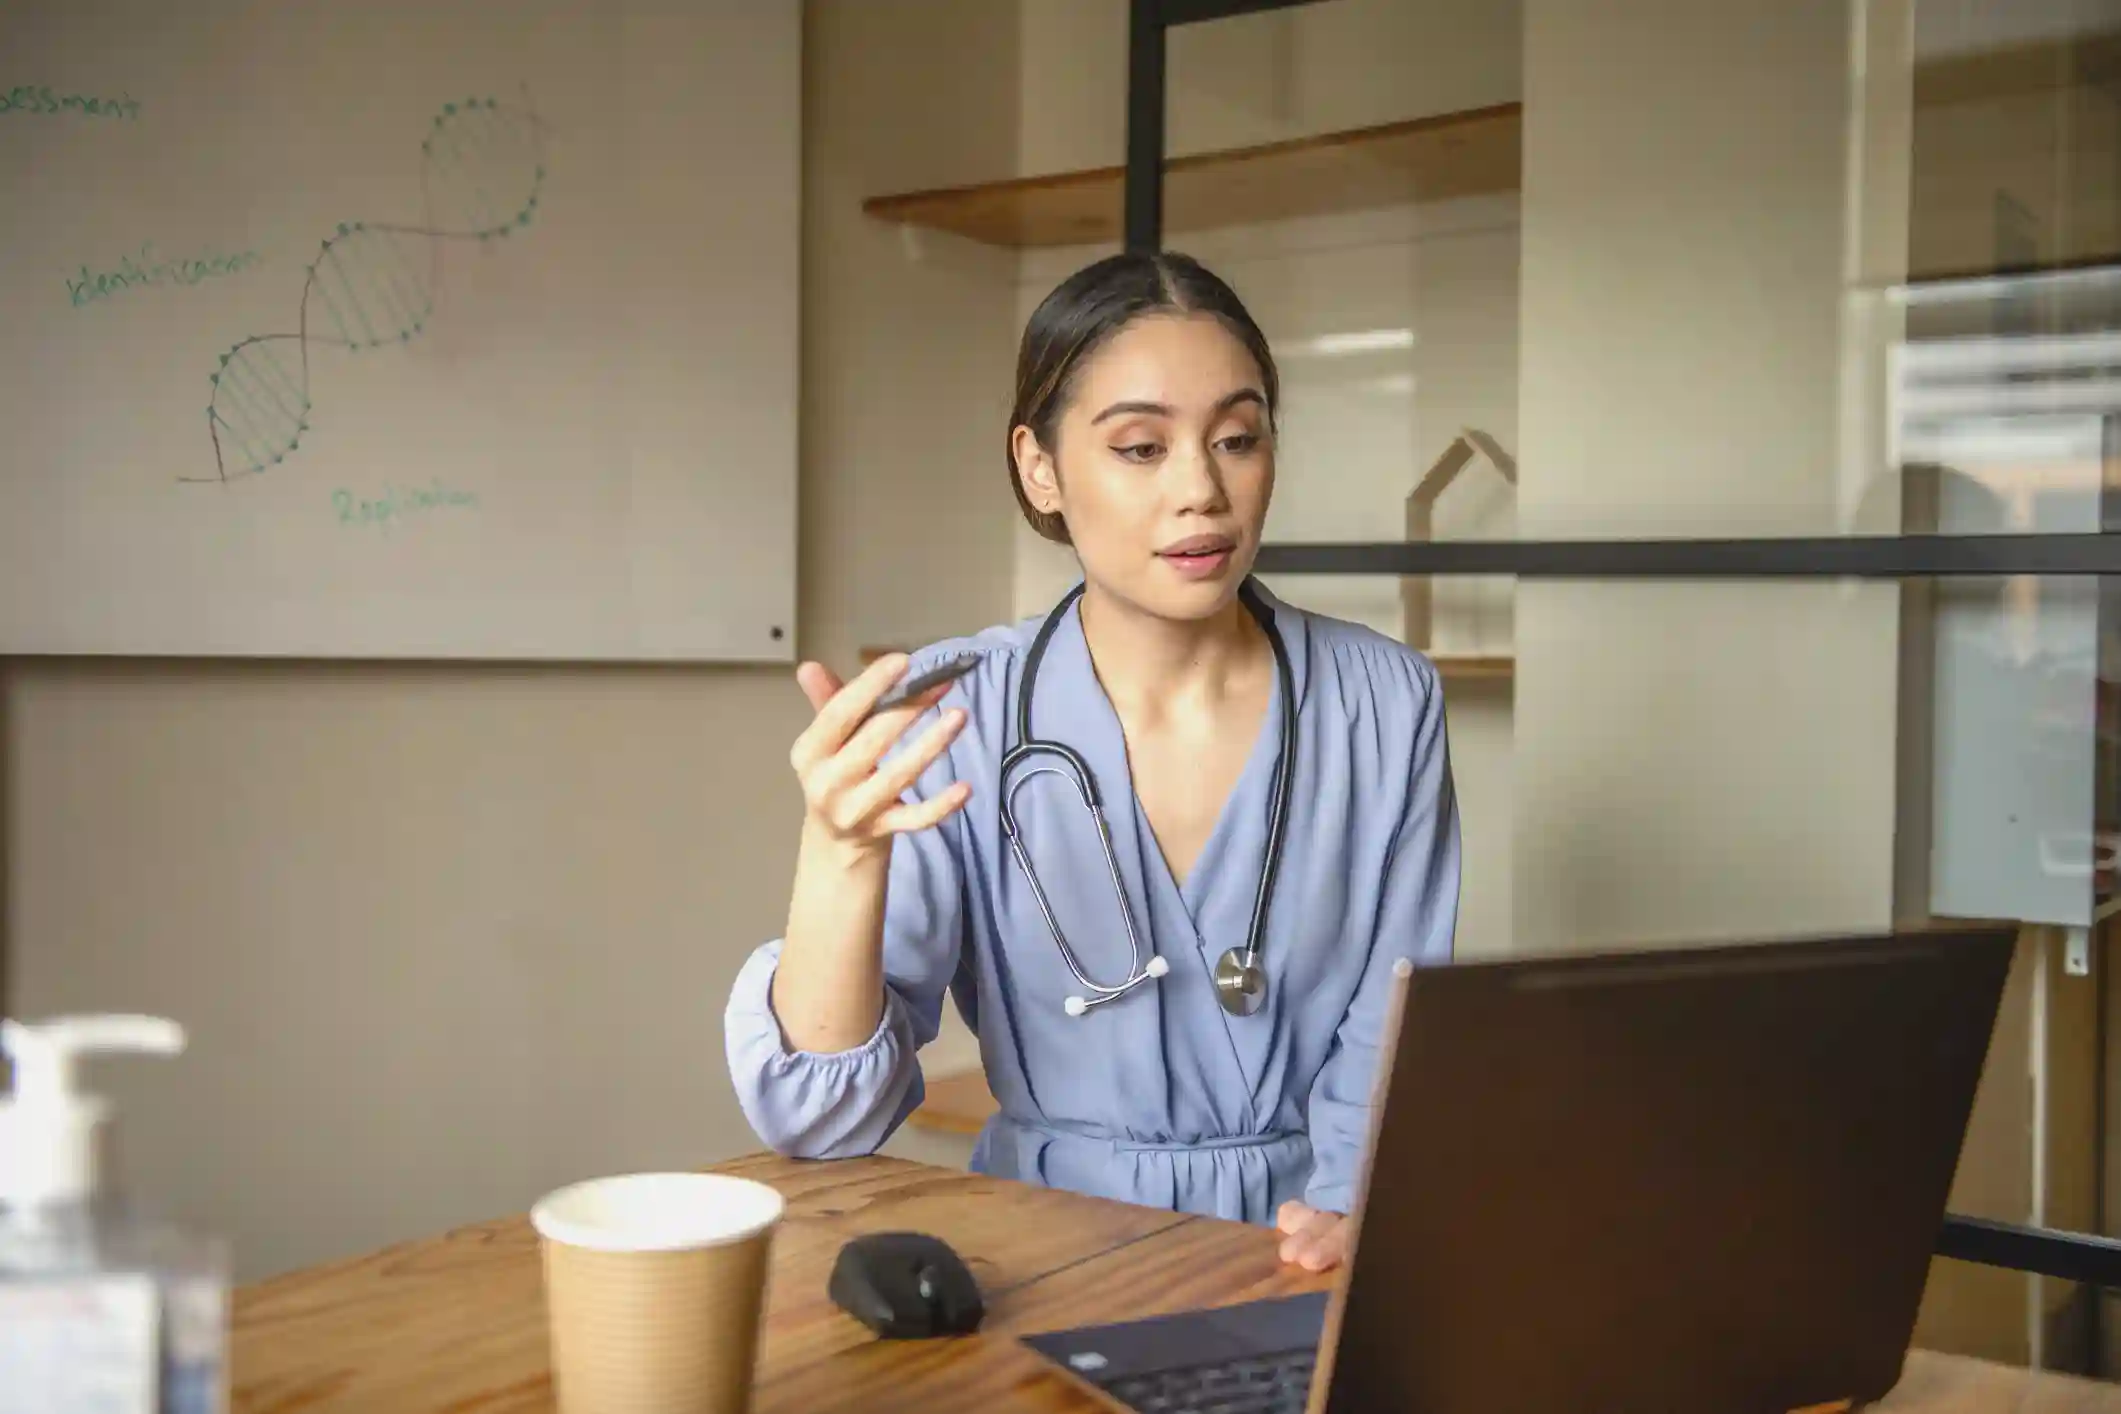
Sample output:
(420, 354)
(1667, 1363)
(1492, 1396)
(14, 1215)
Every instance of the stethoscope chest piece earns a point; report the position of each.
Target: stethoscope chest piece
(1240, 982)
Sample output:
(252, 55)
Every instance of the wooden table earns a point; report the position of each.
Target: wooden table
(456, 1323)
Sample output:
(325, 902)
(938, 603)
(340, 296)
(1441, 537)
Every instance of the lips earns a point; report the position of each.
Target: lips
(1199, 556)
(1198, 546)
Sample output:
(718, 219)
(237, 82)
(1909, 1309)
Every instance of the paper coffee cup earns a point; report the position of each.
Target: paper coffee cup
(655, 1285)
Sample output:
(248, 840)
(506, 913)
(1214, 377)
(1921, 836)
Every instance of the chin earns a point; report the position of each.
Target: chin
(1169, 595)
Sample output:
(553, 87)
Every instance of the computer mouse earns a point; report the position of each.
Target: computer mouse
(906, 1286)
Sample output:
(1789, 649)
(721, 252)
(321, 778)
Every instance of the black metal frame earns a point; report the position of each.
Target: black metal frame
(1148, 21)
(2066, 1256)
(1817, 557)
(2070, 1256)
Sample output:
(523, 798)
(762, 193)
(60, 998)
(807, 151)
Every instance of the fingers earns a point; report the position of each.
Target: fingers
(890, 782)
(905, 819)
(875, 736)
(850, 789)
(818, 683)
(836, 718)
(854, 766)
(1317, 1241)
(1303, 1222)
(1312, 1254)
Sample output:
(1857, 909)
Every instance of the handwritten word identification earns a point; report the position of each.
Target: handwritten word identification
(147, 271)
(398, 503)
(36, 98)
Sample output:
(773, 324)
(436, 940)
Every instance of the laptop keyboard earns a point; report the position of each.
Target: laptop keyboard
(1272, 1384)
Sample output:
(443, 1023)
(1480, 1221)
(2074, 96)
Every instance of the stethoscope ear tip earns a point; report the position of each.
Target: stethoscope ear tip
(1157, 966)
(1075, 1006)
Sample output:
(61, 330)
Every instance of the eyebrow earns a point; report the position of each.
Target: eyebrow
(1228, 401)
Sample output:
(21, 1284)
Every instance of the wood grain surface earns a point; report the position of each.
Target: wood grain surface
(455, 1324)
(1433, 158)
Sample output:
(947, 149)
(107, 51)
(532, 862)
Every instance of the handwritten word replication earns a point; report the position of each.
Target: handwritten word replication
(147, 271)
(36, 98)
(398, 504)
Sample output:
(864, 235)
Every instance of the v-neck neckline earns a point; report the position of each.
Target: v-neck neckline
(1210, 858)
(1190, 892)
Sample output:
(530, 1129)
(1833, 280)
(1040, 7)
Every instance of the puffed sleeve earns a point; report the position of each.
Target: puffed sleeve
(838, 1105)
(1417, 915)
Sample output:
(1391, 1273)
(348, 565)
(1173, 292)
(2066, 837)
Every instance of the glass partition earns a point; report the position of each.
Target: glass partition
(1725, 398)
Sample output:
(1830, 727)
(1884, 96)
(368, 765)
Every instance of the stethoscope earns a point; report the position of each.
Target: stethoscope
(1240, 982)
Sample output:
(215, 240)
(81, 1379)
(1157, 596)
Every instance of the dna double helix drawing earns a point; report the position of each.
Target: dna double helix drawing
(372, 284)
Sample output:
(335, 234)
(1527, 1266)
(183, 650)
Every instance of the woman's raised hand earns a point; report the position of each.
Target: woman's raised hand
(851, 798)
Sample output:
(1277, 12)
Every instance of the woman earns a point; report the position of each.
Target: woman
(1143, 437)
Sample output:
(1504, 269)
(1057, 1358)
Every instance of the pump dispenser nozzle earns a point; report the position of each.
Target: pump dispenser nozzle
(48, 1127)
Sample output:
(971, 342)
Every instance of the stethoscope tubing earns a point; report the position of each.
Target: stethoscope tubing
(1077, 772)
(1038, 892)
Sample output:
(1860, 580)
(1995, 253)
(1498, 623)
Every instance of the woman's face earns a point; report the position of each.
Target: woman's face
(1162, 464)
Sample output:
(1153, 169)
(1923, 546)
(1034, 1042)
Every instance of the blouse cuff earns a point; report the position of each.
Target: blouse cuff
(1330, 1195)
(753, 994)
(816, 1104)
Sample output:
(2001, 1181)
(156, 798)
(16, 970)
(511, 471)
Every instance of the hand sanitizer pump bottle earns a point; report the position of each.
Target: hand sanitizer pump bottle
(102, 1310)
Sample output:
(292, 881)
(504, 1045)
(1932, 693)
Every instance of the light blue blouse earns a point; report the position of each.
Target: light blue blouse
(1161, 1097)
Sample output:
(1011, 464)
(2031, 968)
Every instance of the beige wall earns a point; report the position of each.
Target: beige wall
(448, 935)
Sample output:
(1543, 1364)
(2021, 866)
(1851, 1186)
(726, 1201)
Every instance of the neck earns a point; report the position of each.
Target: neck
(1146, 662)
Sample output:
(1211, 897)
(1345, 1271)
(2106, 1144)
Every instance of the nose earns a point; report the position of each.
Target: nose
(1195, 480)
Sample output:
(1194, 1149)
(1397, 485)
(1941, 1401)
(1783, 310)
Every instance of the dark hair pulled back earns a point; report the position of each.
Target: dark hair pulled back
(1087, 309)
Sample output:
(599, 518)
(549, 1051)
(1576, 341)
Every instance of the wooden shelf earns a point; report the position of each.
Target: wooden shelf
(955, 1104)
(1472, 153)
(1475, 667)
(1476, 151)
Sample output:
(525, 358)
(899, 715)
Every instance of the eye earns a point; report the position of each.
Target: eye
(1238, 443)
(1137, 451)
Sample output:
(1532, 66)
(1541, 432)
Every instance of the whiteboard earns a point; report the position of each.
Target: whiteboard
(406, 328)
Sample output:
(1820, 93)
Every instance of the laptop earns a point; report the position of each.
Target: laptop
(1704, 1179)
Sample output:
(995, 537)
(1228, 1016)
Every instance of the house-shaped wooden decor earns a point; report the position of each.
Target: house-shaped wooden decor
(1469, 445)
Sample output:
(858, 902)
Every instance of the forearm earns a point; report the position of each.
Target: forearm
(828, 990)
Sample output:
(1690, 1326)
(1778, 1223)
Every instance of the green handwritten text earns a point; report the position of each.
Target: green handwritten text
(148, 271)
(36, 98)
(397, 503)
